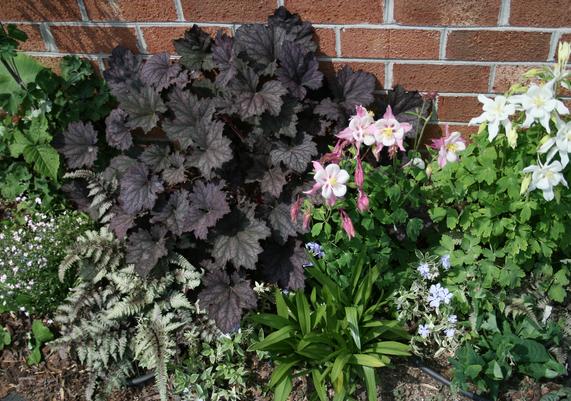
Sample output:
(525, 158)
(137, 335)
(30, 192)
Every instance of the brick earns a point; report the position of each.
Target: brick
(39, 10)
(35, 41)
(228, 10)
(507, 75)
(78, 39)
(442, 78)
(52, 63)
(447, 12)
(160, 39)
(377, 69)
(458, 108)
(130, 10)
(325, 39)
(338, 11)
(545, 13)
(390, 43)
(498, 46)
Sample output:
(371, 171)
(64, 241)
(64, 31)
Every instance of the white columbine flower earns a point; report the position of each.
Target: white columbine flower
(497, 111)
(538, 103)
(545, 177)
(560, 143)
(332, 180)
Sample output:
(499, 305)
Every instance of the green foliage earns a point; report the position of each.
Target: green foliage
(505, 349)
(5, 338)
(40, 335)
(336, 334)
(32, 247)
(216, 368)
(114, 318)
(563, 394)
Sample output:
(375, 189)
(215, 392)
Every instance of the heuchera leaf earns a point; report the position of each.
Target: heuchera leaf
(260, 43)
(194, 49)
(242, 246)
(296, 157)
(223, 57)
(156, 157)
(297, 31)
(273, 181)
(138, 190)
(144, 249)
(225, 299)
(174, 215)
(118, 134)
(80, 145)
(285, 123)
(298, 70)
(283, 264)
(142, 107)
(175, 173)
(280, 221)
(158, 71)
(251, 102)
(207, 206)
(212, 148)
(123, 72)
(121, 222)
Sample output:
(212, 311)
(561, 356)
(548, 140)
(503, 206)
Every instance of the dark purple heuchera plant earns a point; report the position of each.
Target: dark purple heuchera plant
(242, 117)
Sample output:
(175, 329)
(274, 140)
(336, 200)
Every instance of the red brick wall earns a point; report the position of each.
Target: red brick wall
(458, 48)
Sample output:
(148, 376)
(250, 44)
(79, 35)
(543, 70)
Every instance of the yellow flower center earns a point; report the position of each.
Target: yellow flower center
(538, 101)
(387, 132)
(332, 181)
(549, 175)
(451, 147)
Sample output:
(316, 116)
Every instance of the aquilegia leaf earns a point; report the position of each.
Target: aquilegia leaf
(142, 107)
(207, 206)
(158, 71)
(296, 157)
(80, 145)
(225, 299)
(139, 190)
(118, 134)
(242, 245)
(144, 249)
(174, 215)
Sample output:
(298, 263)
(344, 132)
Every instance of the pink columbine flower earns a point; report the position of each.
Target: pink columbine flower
(359, 176)
(337, 153)
(362, 201)
(294, 211)
(306, 219)
(448, 147)
(331, 180)
(358, 130)
(347, 224)
(389, 132)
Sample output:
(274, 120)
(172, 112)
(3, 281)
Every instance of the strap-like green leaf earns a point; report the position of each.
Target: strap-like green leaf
(318, 385)
(366, 360)
(277, 336)
(390, 348)
(370, 383)
(353, 319)
(303, 314)
(267, 319)
(282, 370)
(281, 305)
(283, 389)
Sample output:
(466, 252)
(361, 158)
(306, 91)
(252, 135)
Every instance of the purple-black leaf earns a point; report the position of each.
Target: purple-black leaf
(223, 57)
(79, 145)
(156, 157)
(121, 222)
(353, 88)
(285, 123)
(280, 221)
(298, 70)
(174, 215)
(117, 167)
(158, 71)
(175, 173)
(296, 157)
(252, 102)
(194, 49)
(118, 134)
(144, 249)
(138, 190)
(242, 247)
(260, 43)
(225, 299)
(296, 30)
(273, 181)
(142, 107)
(330, 110)
(123, 72)
(78, 193)
(212, 148)
(207, 206)
(283, 264)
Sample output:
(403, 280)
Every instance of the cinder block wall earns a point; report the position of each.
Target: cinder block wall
(458, 48)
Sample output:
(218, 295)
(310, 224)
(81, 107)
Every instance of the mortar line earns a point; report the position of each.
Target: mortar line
(504, 14)
(179, 10)
(48, 38)
(338, 42)
(491, 79)
(555, 37)
(443, 43)
(389, 12)
(388, 76)
(141, 43)
(83, 10)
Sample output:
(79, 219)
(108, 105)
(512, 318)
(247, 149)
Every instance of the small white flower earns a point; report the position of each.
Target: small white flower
(424, 330)
(546, 177)
(452, 319)
(560, 143)
(450, 332)
(332, 180)
(38, 201)
(538, 103)
(497, 111)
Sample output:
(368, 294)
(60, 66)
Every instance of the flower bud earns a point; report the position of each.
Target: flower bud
(347, 224)
(306, 219)
(294, 211)
(362, 201)
(359, 176)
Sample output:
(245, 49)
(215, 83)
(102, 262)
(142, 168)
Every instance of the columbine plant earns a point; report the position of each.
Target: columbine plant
(426, 308)
(536, 108)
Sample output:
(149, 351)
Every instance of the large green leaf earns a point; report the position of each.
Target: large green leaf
(276, 337)
(370, 383)
(353, 320)
(303, 314)
(45, 160)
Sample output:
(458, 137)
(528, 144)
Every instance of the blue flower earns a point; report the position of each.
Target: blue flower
(424, 270)
(315, 249)
(438, 295)
(452, 319)
(445, 261)
(450, 332)
(423, 330)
